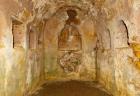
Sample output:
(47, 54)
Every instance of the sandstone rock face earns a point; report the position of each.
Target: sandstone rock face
(108, 43)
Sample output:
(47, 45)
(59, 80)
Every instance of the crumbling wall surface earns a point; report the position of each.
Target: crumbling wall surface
(86, 70)
(17, 75)
(110, 43)
(118, 66)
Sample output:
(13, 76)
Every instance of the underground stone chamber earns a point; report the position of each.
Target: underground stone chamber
(45, 44)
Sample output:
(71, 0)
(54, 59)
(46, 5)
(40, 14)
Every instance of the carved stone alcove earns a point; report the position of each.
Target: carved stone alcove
(70, 44)
(18, 31)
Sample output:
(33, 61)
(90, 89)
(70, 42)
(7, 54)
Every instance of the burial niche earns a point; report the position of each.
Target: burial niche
(70, 44)
(18, 31)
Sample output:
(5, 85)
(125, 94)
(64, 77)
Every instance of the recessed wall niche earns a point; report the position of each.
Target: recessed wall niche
(70, 44)
(18, 31)
(32, 39)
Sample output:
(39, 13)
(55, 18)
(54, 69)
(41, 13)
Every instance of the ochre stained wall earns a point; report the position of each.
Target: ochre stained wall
(54, 26)
(21, 68)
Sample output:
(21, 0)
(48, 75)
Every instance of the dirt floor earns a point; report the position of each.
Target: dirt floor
(71, 88)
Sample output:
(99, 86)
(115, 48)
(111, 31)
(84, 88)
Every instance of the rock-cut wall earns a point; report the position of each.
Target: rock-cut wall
(21, 55)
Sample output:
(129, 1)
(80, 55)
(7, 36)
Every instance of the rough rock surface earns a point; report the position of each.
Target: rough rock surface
(109, 29)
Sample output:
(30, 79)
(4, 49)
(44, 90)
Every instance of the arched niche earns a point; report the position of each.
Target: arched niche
(121, 36)
(65, 58)
(35, 34)
(70, 43)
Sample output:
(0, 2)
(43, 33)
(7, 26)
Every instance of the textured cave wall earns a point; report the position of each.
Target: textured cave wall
(21, 67)
(116, 26)
(35, 54)
(117, 61)
(54, 26)
(116, 23)
(116, 56)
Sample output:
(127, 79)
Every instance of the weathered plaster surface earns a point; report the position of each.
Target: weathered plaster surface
(110, 44)
(18, 75)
